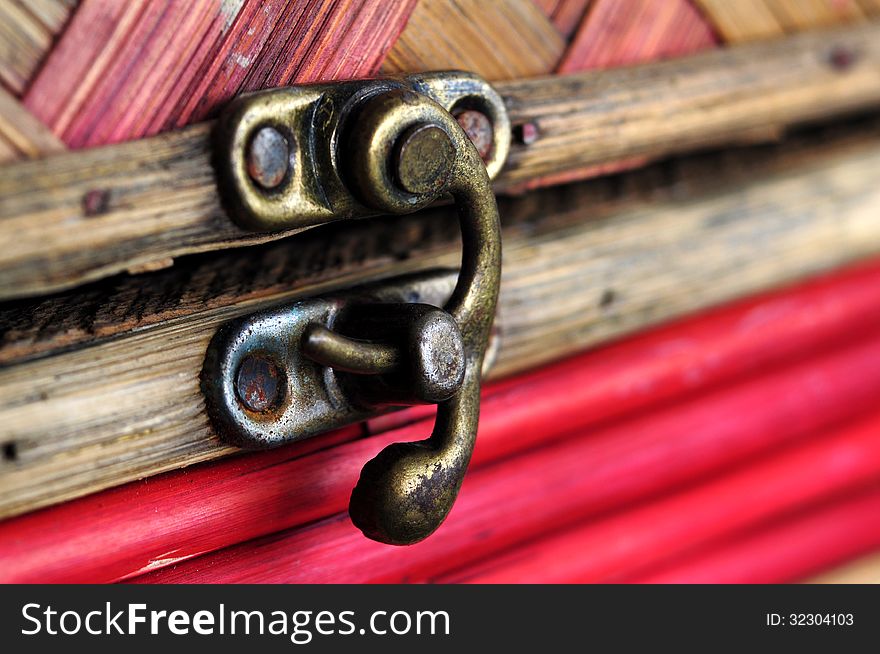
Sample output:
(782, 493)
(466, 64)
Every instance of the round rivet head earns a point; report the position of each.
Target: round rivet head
(259, 383)
(268, 157)
(424, 159)
(479, 130)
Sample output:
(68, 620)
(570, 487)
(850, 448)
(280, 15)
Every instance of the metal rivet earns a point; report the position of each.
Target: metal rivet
(424, 159)
(268, 157)
(527, 133)
(258, 383)
(479, 130)
(842, 58)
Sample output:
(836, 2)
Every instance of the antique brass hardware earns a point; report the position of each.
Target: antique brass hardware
(314, 154)
(283, 155)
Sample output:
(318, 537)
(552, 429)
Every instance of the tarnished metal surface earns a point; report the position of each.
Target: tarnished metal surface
(478, 127)
(312, 399)
(388, 146)
(315, 123)
(259, 383)
(422, 160)
(268, 157)
(417, 347)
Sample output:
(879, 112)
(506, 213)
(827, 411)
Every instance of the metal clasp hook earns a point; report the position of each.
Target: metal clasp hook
(394, 148)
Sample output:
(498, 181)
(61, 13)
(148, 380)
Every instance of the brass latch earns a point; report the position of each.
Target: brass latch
(313, 154)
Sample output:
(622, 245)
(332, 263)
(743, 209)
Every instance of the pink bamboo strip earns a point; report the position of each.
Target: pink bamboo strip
(545, 489)
(622, 32)
(128, 70)
(811, 541)
(565, 15)
(251, 495)
(624, 545)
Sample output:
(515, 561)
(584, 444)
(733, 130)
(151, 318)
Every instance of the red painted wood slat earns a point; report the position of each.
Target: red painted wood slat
(617, 548)
(790, 551)
(257, 494)
(598, 471)
(688, 355)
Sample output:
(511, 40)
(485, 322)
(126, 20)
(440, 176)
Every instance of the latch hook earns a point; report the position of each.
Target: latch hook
(408, 489)
(397, 150)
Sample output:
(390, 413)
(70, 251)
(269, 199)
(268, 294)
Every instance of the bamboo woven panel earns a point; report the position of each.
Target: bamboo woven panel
(27, 31)
(126, 70)
(123, 70)
(498, 40)
(617, 33)
(565, 15)
(742, 20)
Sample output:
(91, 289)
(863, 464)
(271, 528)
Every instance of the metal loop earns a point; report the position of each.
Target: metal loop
(407, 491)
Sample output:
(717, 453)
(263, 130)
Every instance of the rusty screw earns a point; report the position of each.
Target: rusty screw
(268, 157)
(478, 127)
(258, 383)
(527, 133)
(423, 159)
(842, 58)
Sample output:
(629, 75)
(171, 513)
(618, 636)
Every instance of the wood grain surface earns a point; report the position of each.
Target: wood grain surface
(119, 399)
(74, 218)
(497, 40)
(22, 136)
(681, 376)
(863, 570)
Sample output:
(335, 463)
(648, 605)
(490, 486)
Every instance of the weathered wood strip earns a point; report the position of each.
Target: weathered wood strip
(625, 32)
(870, 7)
(582, 264)
(71, 218)
(711, 97)
(27, 137)
(863, 570)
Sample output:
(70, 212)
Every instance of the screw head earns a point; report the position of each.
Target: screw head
(842, 58)
(527, 133)
(259, 383)
(268, 157)
(423, 159)
(479, 130)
